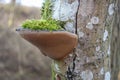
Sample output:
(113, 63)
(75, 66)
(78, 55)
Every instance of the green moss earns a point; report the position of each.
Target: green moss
(46, 22)
(50, 25)
(46, 11)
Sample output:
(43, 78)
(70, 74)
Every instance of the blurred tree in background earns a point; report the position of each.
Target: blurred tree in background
(11, 15)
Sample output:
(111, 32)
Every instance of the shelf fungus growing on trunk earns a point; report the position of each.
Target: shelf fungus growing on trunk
(54, 44)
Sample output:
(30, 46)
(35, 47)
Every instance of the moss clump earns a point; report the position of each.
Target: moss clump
(46, 22)
(50, 25)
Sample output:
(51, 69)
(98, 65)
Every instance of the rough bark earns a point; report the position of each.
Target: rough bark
(95, 19)
(115, 44)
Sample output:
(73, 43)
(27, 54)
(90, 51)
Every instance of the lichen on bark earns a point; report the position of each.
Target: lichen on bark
(94, 32)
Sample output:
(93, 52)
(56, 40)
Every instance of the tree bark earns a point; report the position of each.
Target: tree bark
(115, 44)
(95, 21)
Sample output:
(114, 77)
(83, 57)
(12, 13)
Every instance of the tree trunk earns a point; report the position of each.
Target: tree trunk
(115, 45)
(94, 20)
(11, 15)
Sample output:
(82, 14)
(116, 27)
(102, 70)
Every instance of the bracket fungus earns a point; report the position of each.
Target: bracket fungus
(55, 44)
(49, 34)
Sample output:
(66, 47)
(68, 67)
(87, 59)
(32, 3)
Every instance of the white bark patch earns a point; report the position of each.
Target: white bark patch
(70, 27)
(105, 35)
(111, 9)
(107, 76)
(65, 11)
(56, 9)
(81, 34)
(87, 75)
(89, 26)
(102, 71)
(86, 7)
(97, 48)
(57, 67)
(94, 20)
(70, 55)
(108, 52)
(97, 40)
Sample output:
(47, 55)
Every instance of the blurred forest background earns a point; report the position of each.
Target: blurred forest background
(20, 60)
